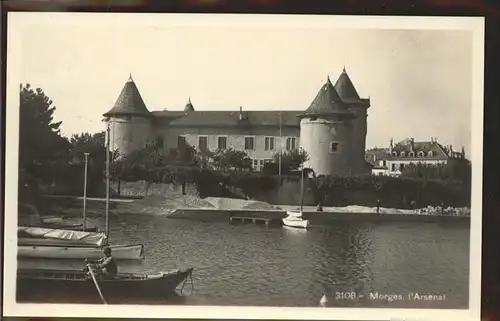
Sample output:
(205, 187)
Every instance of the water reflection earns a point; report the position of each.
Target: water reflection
(248, 264)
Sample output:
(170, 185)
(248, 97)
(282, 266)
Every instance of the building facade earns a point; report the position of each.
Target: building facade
(332, 129)
(391, 161)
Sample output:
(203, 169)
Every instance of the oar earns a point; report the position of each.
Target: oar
(96, 285)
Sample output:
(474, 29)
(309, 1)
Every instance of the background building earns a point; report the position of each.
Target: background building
(392, 161)
(332, 130)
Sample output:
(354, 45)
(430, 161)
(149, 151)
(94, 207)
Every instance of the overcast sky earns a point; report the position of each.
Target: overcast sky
(419, 81)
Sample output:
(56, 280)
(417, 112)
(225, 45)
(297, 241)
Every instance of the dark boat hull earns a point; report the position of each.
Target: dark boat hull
(76, 284)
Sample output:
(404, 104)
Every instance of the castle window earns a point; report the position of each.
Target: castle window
(402, 154)
(420, 154)
(334, 147)
(269, 143)
(203, 143)
(291, 143)
(159, 142)
(430, 153)
(181, 142)
(393, 167)
(394, 154)
(412, 154)
(222, 142)
(249, 143)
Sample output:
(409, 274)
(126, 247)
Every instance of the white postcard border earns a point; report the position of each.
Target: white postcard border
(14, 45)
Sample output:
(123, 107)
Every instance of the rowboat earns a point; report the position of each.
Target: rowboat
(65, 244)
(79, 283)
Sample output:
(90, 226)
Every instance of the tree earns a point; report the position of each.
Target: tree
(291, 160)
(43, 152)
(227, 159)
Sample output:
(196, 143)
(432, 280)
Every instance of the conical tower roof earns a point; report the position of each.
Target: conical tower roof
(345, 88)
(129, 102)
(326, 101)
(189, 106)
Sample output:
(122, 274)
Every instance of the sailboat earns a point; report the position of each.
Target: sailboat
(294, 217)
(38, 242)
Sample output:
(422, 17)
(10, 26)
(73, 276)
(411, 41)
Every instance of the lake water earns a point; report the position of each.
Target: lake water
(249, 264)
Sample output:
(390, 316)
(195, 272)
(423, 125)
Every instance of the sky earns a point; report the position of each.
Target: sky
(419, 81)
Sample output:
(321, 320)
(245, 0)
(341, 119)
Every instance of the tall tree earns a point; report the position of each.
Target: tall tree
(42, 149)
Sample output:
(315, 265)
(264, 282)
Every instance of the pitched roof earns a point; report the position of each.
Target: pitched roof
(438, 151)
(327, 101)
(345, 88)
(223, 118)
(129, 102)
(189, 106)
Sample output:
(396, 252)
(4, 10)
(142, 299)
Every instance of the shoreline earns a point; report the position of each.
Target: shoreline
(218, 208)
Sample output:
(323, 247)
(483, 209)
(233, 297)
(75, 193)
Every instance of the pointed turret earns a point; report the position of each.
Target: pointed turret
(345, 88)
(129, 102)
(327, 101)
(189, 106)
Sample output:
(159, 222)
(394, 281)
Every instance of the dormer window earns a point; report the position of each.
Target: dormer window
(430, 153)
(403, 154)
(394, 154)
(420, 154)
(412, 154)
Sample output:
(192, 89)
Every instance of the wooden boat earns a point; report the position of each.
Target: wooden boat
(57, 222)
(81, 284)
(57, 251)
(66, 244)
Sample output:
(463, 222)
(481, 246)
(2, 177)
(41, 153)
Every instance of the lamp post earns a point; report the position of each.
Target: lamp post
(85, 191)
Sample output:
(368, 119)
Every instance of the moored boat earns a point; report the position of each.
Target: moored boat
(81, 284)
(120, 252)
(293, 221)
(294, 217)
(65, 244)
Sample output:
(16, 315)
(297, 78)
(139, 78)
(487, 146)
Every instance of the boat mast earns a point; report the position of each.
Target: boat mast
(85, 192)
(107, 180)
(281, 145)
(301, 188)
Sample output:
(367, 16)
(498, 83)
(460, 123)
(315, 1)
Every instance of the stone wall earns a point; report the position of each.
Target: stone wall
(143, 189)
(288, 193)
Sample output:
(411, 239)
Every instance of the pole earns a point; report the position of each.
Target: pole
(95, 283)
(281, 145)
(301, 189)
(85, 193)
(107, 181)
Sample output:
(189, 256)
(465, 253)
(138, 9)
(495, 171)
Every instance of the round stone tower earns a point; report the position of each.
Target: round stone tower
(358, 106)
(326, 133)
(129, 121)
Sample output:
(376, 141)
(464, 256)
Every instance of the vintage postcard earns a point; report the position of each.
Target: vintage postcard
(243, 166)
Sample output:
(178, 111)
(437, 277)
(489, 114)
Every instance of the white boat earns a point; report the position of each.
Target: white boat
(119, 252)
(294, 217)
(297, 222)
(293, 213)
(64, 244)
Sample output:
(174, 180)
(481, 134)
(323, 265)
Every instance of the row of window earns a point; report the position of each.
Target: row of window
(269, 142)
(412, 154)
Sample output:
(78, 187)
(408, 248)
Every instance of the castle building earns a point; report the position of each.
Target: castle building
(391, 161)
(332, 130)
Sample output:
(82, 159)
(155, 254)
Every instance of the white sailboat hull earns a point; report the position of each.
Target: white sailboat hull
(119, 252)
(297, 223)
(294, 213)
